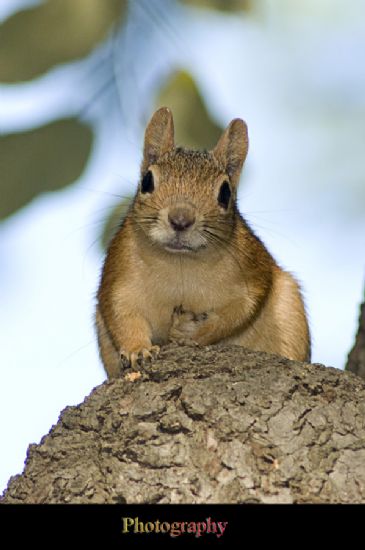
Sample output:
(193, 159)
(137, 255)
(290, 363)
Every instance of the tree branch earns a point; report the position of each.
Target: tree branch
(206, 425)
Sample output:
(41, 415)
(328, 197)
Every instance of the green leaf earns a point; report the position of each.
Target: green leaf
(193, 125)
(222, 5)
(44, 159)
(34, 40)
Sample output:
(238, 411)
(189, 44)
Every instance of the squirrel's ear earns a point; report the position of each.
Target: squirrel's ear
(231, 149)
(159, 136)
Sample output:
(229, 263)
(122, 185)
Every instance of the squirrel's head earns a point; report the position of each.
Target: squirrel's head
(185, 202)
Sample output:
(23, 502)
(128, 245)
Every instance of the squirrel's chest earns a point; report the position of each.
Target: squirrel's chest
(195, 288)
(191, 288)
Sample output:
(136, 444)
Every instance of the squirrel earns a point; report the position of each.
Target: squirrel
(184, 264)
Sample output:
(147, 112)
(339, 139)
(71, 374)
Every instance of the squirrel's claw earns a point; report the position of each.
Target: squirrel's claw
(139, 358)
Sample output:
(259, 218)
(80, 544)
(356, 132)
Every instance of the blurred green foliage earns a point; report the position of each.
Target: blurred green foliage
(223, 5)
(193, 125)
(43, 159)
(34, 40)
(37, 39)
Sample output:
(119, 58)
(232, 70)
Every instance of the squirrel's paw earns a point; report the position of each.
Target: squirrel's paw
(186, 325)
(139, 358)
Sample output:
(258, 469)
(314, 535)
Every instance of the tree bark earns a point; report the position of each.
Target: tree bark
(218, 424)
(356, 358)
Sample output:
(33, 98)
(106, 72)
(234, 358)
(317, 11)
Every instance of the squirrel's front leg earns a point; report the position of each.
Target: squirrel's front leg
(130, 336)
(205, 328)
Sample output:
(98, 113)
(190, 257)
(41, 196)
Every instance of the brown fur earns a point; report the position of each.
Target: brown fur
(223, 286)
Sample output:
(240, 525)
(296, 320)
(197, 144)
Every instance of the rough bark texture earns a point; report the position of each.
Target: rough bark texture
(206, 425)
(356, 359)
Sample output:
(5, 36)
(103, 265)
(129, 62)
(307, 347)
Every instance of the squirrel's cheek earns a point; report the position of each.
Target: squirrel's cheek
(158, 233)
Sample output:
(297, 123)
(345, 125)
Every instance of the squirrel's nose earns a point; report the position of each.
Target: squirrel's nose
(181, 218)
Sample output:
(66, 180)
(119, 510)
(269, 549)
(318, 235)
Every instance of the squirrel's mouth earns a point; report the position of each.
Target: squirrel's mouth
(178, 246)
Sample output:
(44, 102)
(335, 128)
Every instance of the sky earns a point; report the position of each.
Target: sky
(298, 79)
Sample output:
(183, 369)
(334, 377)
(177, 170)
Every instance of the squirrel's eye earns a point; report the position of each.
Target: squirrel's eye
(147, 185)
(224, 195)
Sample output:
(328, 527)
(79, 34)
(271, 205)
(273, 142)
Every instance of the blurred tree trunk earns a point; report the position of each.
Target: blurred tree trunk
(356, 358)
